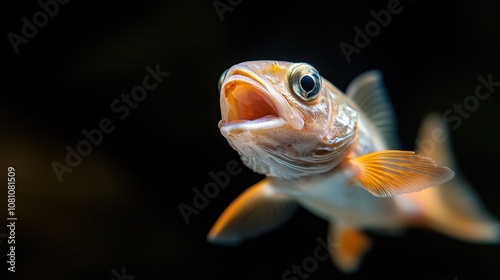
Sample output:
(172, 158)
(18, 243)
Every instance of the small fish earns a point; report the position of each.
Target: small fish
(338, 156)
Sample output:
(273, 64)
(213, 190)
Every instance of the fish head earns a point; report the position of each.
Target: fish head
(284, 119)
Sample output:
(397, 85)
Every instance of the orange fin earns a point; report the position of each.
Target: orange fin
(256, 210)
(347, 247)
(455, 208)
(394, 172)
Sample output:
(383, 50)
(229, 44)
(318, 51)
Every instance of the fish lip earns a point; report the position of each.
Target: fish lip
(247, 99)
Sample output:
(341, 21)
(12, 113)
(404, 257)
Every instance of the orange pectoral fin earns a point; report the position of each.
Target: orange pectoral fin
(257, 210)
(393, 172)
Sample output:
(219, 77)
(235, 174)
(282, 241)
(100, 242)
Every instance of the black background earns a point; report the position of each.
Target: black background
(119, 207)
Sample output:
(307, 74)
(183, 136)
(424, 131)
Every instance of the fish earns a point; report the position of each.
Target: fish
(337, 154)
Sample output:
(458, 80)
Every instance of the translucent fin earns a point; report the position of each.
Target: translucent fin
(255, 211)
(347, 247)
(452, 208)
(369, 93)
(392, 172)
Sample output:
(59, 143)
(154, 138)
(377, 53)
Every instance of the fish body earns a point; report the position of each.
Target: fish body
(337, 155)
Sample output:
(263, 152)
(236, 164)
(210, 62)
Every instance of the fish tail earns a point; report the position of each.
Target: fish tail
(453, 208)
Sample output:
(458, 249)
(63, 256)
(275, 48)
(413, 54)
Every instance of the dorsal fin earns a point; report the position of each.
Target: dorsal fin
(369, 93)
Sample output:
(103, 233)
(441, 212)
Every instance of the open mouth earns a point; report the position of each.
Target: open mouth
(249, 100)
(244, 99)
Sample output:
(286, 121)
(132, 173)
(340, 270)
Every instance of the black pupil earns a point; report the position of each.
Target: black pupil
(307, 83)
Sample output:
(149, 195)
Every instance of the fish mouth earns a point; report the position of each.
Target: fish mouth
(247, 99)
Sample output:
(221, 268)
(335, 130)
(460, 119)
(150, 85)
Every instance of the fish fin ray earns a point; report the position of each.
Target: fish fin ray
(453, 208)
(348, 246)
(394, 172)
(257, 210)
(370, 94)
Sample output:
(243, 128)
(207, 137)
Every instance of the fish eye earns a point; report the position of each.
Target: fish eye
(305, 81)
(221, 78)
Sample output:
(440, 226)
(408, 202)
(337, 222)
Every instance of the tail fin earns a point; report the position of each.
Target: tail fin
(452, 208)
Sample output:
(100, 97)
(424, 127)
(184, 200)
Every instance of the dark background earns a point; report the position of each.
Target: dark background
(119, 207)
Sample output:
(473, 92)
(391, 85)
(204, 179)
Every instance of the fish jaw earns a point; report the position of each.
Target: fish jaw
(249, 101)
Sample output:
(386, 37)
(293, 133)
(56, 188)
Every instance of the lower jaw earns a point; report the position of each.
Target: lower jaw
(262, 123)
